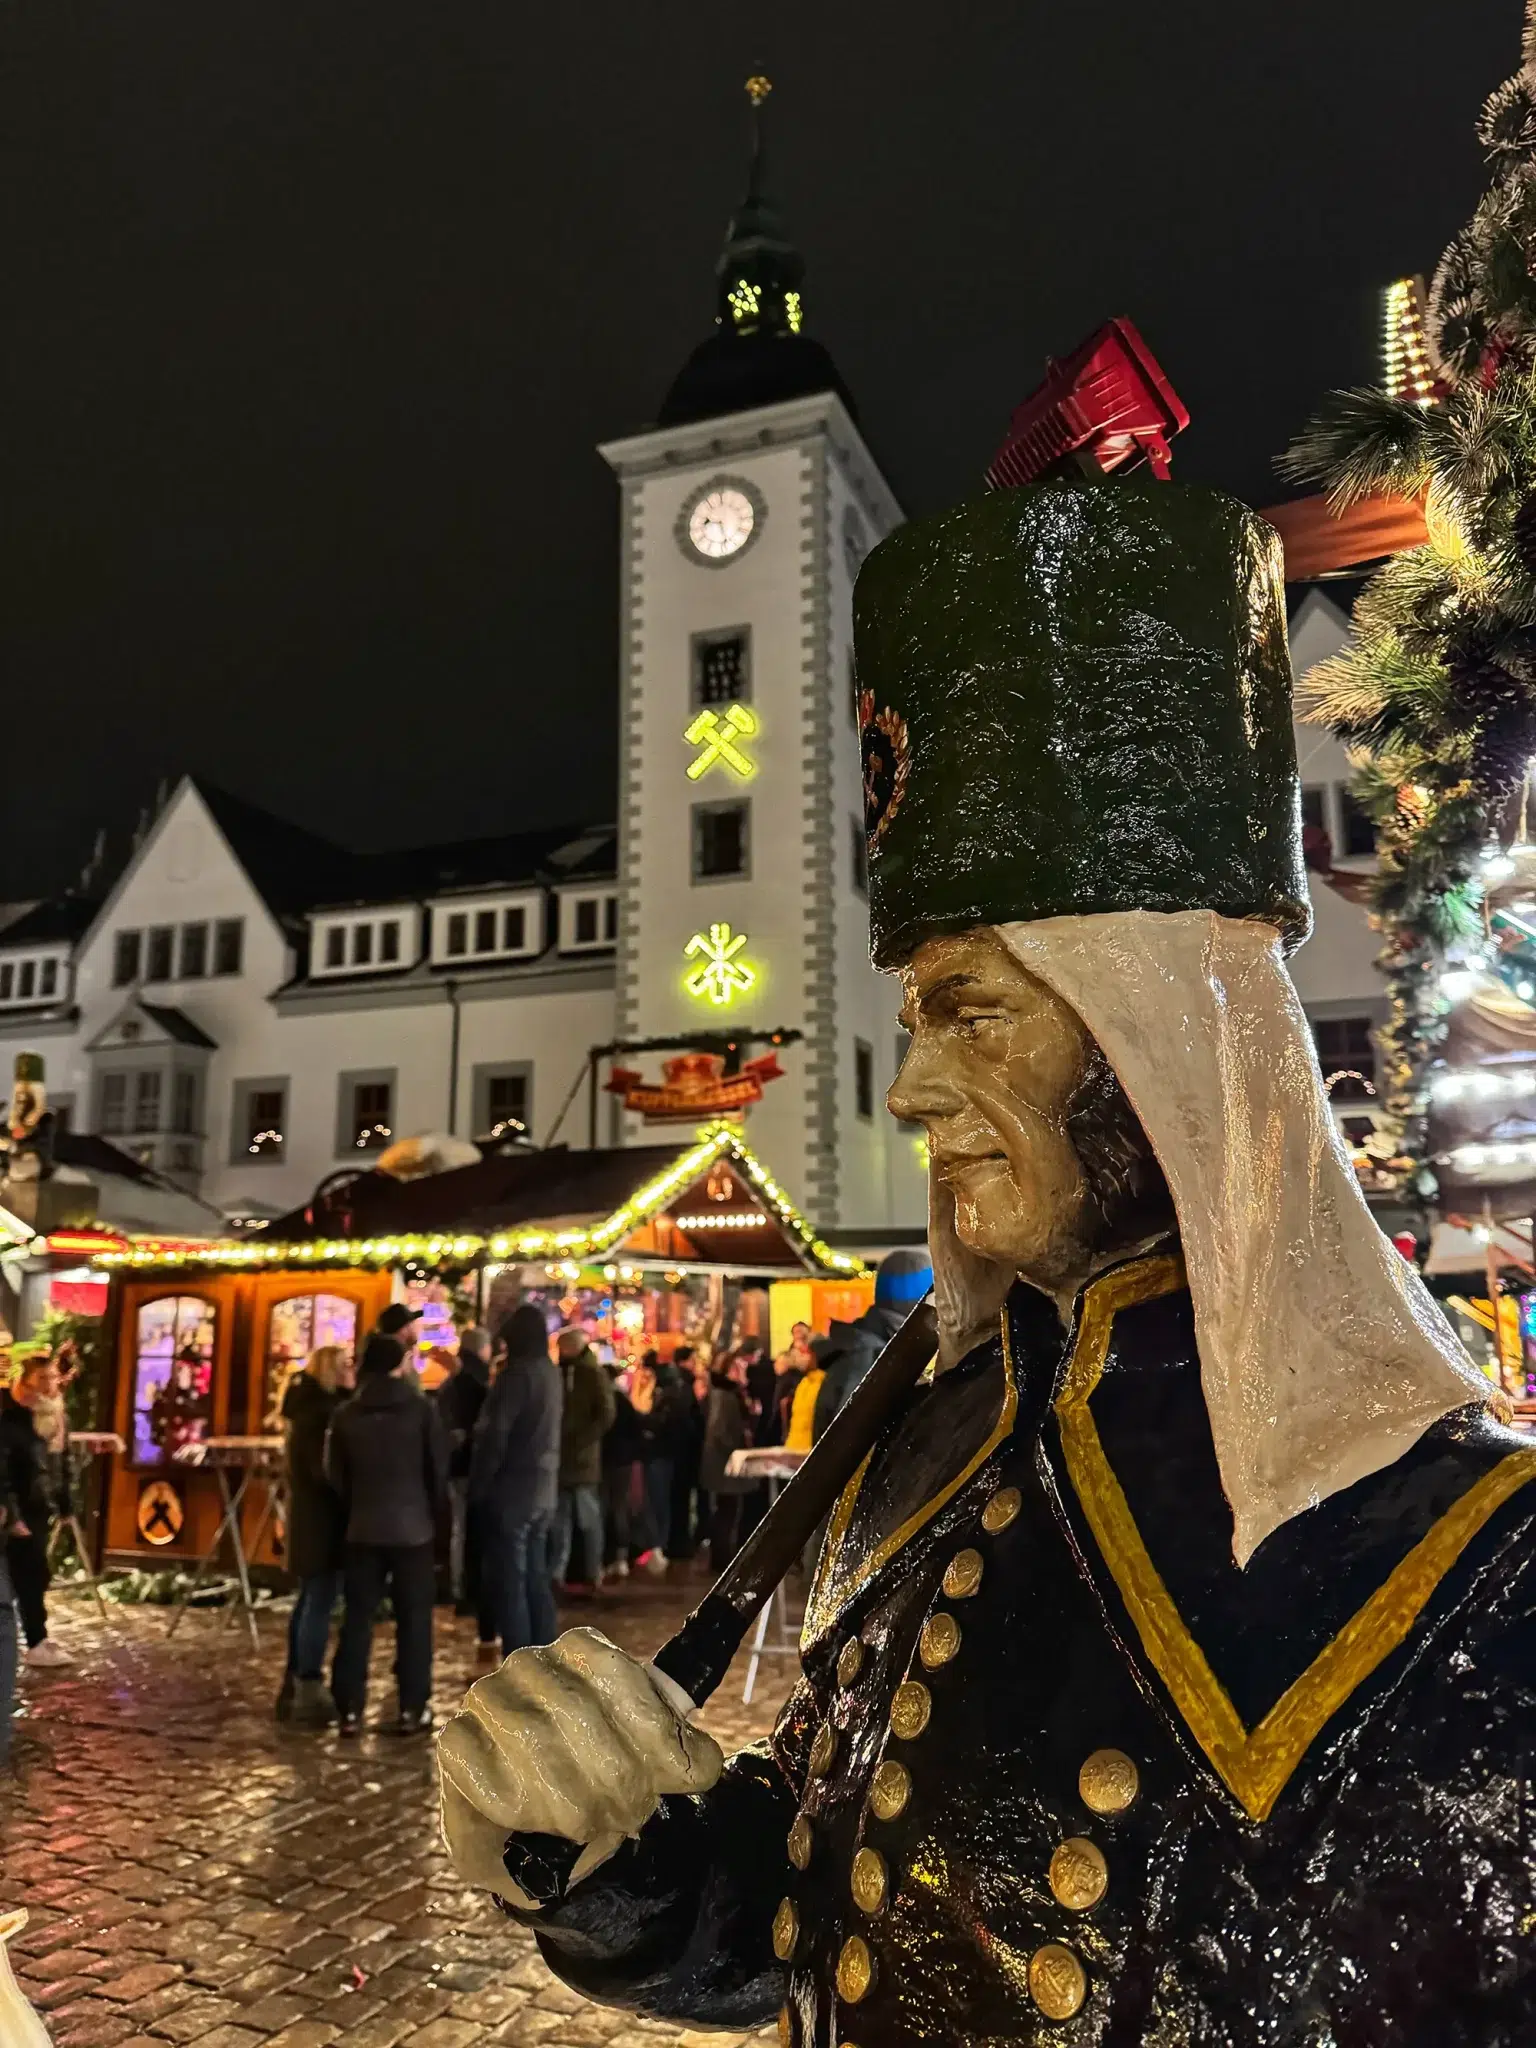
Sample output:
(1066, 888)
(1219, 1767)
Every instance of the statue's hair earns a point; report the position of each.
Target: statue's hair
(1124, 1179)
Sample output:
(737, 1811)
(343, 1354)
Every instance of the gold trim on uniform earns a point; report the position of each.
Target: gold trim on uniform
(786, 2027)
(867, 1881)
(962, 1575)
(823, 1607)
(1057, 1981)
(1255, 1764)
(855, 1969)
(889, 1789)
(786, 1930)
(939, 1641)
(911, 1704)
(1001, 1509)
(850, 1661)
(801, 1840)
(1079, 1874)
(823, 1749)
(1108, 1782)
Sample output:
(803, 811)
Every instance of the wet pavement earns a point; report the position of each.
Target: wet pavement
(196, 1875)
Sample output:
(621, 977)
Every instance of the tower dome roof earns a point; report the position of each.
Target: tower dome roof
(759, 353)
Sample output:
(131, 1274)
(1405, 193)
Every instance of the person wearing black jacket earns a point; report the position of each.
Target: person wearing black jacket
(25, 1459)
(386, 1457)
(514, 1478)
(459, 1401)
(315, 1530)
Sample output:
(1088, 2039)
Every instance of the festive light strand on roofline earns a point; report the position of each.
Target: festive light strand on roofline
(525, 1245)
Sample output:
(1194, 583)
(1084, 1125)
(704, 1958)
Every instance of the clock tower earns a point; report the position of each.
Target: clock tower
(746, 511)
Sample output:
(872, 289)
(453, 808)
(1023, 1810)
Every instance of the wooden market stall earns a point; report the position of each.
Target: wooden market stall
(647, 1246)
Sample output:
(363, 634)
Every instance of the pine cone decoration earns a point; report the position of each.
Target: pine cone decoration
(1502, 751)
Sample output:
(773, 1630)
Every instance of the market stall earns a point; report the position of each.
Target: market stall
(647, 1247)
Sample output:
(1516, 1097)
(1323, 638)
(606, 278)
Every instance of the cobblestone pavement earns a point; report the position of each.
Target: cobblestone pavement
(197, 1876)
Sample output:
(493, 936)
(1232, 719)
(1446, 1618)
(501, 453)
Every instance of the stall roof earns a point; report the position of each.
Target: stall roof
(518, 1205)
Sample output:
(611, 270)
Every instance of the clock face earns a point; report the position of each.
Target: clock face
(721, 523)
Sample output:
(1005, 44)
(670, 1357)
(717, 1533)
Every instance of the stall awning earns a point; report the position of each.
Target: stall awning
(711, 1202)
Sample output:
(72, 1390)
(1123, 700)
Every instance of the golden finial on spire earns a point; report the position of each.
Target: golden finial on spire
(758, 88)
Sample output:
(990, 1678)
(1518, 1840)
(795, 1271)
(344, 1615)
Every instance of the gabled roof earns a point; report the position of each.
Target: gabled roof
(60, 920)
(529, 1205)
(289, 867)
(164, 1024)
(178, 1025)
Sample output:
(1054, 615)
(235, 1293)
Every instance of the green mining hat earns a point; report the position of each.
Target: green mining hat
(29, 1066)
(1076, 697)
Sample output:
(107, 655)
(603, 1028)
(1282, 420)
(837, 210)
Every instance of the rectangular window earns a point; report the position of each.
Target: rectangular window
(7, 981)
(458, 933)
(114, 1104)
(722, 669)
(228, 945)
(125, 959)
(859, 843)
(184, 1102)
(1345, 1053)
(585, 932)
(362, 945)
(1359, 829)
(194, 952)
(27, 985)
(367, 1113)
(506, 1102)
(48, 981)
(1314, 807)
(720, 841)
(146, 1100)
(485, 931)
(514, 929)
(863, 1078)
(336, 946)
(260, 1109)
(389, 939)
(610, 919)
(159, 952)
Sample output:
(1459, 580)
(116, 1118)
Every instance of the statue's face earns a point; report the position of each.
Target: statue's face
(994, 1066)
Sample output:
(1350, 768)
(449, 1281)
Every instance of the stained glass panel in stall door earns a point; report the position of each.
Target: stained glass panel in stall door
(298, 1325)
(172, 1376)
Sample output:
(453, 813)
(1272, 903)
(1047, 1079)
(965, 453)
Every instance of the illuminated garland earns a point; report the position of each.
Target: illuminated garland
(518, 1245)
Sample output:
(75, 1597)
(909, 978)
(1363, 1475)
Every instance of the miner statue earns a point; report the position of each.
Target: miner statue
(1169, 1671)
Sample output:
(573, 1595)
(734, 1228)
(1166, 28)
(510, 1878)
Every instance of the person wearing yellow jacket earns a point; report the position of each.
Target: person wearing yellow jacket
(802, 1413)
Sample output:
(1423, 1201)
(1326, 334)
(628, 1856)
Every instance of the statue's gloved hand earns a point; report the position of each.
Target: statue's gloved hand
(576, 1740)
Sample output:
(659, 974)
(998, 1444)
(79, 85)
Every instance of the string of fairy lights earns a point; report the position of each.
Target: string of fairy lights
(716, 1141)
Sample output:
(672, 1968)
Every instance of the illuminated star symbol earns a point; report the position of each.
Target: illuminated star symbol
(717, 741)
(722, 974)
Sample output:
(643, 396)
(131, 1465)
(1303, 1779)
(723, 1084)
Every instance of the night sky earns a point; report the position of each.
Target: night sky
(313, 313)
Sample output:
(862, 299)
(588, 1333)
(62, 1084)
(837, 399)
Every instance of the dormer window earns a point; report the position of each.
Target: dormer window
(479, 931)
(589, 919)
(365, 941)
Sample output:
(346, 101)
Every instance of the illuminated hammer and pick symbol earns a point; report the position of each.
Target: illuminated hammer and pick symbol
(717, 739)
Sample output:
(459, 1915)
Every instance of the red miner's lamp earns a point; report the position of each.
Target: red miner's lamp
(1106, 406)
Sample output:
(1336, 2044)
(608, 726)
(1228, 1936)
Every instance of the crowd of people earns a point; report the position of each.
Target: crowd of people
(535, 1471)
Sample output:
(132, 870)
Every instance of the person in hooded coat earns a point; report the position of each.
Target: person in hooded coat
(316, 1527)
(848, 1350)
(514, 1477)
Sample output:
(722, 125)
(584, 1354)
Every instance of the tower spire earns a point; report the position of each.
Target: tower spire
(758, 354)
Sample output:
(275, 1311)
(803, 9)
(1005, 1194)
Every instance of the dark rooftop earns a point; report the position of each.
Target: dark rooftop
(60, 918)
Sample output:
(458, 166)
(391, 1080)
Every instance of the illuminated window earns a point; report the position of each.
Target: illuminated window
(194, 952)
(366, 1112)
(158, 957)
(172, 1376)
(503, 1099)
(1344, 1047)
(298, 1325)
(260, 1118)
(722, 668)
(721, 849)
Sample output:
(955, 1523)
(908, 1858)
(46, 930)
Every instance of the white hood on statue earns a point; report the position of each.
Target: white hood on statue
(1322, 1356)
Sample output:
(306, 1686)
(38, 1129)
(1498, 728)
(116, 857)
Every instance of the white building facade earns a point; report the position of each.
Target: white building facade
(251, 1010)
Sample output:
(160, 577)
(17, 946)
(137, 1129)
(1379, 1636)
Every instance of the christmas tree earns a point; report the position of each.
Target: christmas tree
(1436, 695)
